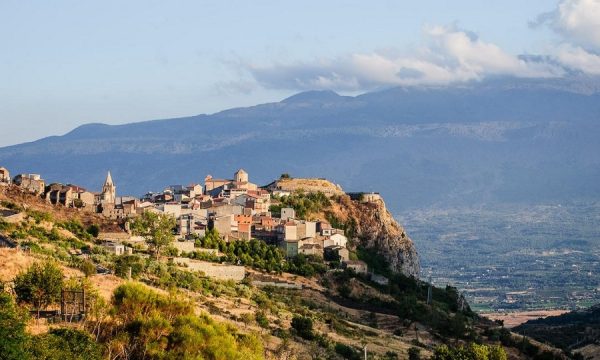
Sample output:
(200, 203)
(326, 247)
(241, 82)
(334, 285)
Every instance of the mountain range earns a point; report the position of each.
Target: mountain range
(495, 141)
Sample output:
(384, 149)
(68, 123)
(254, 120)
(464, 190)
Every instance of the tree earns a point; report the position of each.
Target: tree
(157, 229)
(40, 285)
(12, 329)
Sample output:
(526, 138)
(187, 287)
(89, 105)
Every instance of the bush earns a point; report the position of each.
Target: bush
(157, 326)
(39, 216)
(13, 337)
(76, 228)
(261, 319)
(347, 352)
(471, 352)
(391, 355)
(124, 262)
(414, 353)
(93, 230)
(88, 268)
(303, 203)
(303, 326)
(63, 343)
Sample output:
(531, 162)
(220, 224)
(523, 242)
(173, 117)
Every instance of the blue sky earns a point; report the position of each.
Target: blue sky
(66, 63)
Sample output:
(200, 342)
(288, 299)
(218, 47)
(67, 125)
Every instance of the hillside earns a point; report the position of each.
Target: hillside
(518, 140)
(578, 331)
(330, 315)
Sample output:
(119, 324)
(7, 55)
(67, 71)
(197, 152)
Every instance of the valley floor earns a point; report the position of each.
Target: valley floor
(513, 257)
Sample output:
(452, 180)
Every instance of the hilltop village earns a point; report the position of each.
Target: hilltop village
(287, 270)
(236, 209)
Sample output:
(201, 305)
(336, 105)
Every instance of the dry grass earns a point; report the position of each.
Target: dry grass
(13, 262)
(106, 284)
(512, 319)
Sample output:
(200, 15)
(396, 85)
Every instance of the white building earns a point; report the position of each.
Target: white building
(336, 240)
(287, 213)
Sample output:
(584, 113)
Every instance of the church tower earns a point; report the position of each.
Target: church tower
(109, 191)
(240, 176)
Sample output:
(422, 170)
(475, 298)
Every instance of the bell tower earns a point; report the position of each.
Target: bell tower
(109, 190)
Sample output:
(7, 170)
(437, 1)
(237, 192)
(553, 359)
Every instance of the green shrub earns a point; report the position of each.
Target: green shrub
(261, 319)
(13, 337)
(88, 268)
(93, 230)
(124, 262)
(39, 216)
(347, 352)
(471, 352)
(414, 353)
(158, 326)
(65, 343)
(303, 203)
(303, 326)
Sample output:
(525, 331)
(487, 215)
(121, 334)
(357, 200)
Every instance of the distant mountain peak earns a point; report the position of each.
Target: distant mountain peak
(313, 96)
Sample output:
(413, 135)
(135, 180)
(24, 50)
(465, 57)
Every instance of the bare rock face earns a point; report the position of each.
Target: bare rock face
(375, 228)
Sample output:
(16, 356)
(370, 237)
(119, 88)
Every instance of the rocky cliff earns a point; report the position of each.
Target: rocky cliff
(374, 228)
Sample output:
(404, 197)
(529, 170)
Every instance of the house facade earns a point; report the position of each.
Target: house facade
(4, 175)
(32, 183)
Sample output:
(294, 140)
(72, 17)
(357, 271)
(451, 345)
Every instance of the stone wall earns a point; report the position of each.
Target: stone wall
(184, 246)
(212, 270)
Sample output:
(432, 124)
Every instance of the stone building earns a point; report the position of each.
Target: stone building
(238, 185)
(32, 183)
(306, 229)
(359, 267)
(244, 226)
(121, 210)
(336, 240)
(70, 196)
(290, 248)
(4, 175)
(287, 213)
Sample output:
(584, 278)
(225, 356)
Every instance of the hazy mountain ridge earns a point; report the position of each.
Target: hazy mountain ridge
(526, 140)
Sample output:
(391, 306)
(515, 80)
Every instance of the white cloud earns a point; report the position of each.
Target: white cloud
(578, 21)
(451, 55)
(578, 24)
(578, 58)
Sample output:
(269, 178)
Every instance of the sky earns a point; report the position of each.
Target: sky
(67, 63)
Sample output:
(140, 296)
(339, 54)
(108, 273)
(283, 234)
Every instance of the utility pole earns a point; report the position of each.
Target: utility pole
(364, 344)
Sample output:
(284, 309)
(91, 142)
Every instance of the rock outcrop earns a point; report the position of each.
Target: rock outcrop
(375, 228)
